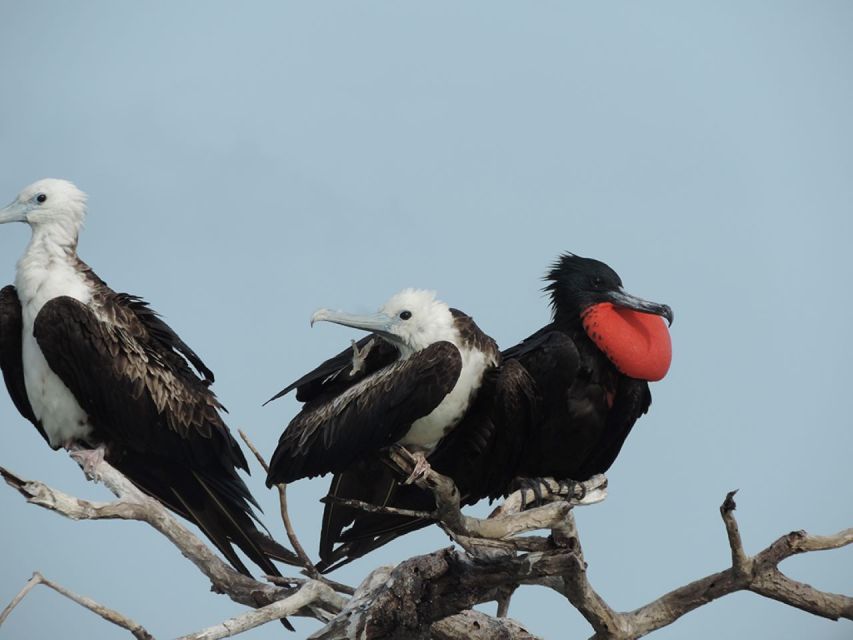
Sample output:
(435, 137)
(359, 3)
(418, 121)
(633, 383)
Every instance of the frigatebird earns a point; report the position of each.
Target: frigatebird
(434, 359)
(592, 364)
(561, 403)
(424, 370)
(101, 373)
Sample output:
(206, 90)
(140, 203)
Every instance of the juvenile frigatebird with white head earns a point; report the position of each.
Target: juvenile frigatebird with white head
(432, 363)
(99, 372)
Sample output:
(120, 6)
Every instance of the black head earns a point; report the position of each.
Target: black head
(576, 283)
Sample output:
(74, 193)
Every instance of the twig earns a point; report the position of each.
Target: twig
(135, 505)
(374, 508)
(741, 563)
(284, 581)
(285, 516)
(106, 613)
(307, 594)
(32, 582)
(759, 574)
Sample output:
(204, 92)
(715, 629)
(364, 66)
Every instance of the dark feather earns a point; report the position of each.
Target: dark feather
(11, 335)
(159, 420)
(336, 374)
(328, 435)
(481, 454)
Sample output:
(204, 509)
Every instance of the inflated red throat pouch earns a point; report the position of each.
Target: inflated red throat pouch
(638, 344)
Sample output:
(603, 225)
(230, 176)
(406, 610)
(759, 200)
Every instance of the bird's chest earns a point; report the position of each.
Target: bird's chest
(425, 432)
(53, 403)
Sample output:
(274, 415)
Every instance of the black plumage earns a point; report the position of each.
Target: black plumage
(158, 420)
(588, 406)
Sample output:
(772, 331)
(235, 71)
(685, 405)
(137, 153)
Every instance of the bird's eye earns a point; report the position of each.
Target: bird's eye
(597, 281)
(405, 315)
(41, 198)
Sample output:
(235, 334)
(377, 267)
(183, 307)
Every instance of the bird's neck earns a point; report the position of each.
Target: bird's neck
(52, 242)
(48, 268)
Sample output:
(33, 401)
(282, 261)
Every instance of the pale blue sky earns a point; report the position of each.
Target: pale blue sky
(249, 162)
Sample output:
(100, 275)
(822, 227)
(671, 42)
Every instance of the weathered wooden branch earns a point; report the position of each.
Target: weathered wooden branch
(132, 504)
(759, 574)
(307, 595)
(403, 602)
(307, 564)
(430, 596)
(504, 522)
(474, 625)
(110, 615)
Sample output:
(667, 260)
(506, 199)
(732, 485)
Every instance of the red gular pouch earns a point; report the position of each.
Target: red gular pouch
(638, 344)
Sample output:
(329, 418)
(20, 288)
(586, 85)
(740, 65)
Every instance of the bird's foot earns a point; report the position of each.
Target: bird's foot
(88, 459)
(571, 489)
(566, 489)
(533, 485)
(420, 470)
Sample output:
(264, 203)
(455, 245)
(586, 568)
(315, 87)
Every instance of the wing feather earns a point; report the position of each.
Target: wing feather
(329, 435)
(11, 359)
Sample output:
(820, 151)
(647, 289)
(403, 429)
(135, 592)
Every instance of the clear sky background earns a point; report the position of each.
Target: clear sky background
(250, 162)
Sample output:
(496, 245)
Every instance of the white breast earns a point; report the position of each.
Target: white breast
(42, 276)
(425, 432)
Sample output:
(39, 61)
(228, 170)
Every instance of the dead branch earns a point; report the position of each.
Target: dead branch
(132, 504)
(309, 593)
(285, 515)
(759, 574)
(504, 522)
(474, 625)
(404, 602)
(429, 595)
(106, 613)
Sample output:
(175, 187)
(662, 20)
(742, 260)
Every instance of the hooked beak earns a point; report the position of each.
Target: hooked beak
(14, 212)
(376, 322)
(622, 299)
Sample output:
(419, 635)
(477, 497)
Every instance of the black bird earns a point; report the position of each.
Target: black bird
(100, 372)
(428, 379)
(591, 364)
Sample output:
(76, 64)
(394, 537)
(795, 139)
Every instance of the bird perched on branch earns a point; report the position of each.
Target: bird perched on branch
(425, 376)
(100, 373)
(592, 364)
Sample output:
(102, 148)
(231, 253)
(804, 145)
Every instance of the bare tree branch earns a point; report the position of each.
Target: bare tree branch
(474, 625)
(405, 601)
(759, 574)
(106, 613)
(31, 583)
(429, 596)
(311, 592)
(285, 516)
(135, 505)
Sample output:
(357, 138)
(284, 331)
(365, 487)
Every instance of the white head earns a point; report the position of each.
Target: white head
(411, 320)
(53, 205)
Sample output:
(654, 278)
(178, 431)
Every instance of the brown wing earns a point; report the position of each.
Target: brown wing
(328, 435)
(11, 362)
(159, 420)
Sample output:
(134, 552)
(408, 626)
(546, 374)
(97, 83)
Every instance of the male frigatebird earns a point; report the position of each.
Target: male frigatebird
(99, 371)
(592, 364)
